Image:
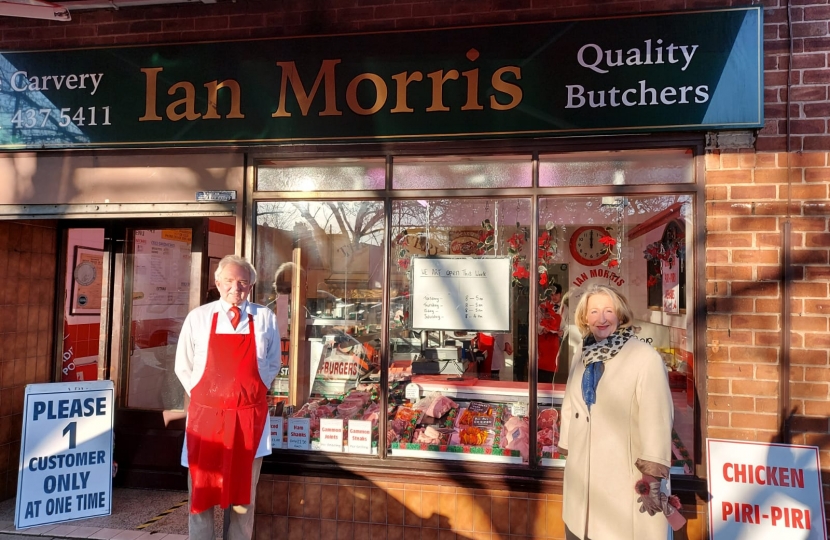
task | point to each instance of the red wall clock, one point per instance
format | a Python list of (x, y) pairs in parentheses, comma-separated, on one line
[(586, 249)]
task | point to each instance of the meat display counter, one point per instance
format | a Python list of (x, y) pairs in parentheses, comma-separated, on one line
[(468, 419)]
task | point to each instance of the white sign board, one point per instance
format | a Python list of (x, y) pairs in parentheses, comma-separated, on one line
[(763, 491), (65, 453), (299, 434), (331, 434), (277, 431), (460, 293), (360, 436)]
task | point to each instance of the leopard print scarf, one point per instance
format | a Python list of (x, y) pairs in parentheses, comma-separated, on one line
[(594, 356), (602, 351)]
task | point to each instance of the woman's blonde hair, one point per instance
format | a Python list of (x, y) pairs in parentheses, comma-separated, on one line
[(621, 308)]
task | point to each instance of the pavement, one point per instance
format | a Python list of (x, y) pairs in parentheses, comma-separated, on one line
[(136, 515)]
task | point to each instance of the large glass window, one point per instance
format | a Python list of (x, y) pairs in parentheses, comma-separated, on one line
[(460, 272), (458, 330), (635, 245), (321, 268)]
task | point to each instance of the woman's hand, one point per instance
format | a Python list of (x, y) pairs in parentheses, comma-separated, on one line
[(650, 495)]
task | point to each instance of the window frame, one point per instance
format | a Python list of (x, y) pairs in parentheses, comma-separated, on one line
[(350, 464)]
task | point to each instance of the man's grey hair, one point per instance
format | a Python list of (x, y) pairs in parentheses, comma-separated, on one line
[(237, 261)]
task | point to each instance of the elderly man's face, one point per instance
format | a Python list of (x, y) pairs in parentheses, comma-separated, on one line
[(234, 284)]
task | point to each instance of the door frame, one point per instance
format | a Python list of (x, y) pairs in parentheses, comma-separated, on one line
[(114, 336)]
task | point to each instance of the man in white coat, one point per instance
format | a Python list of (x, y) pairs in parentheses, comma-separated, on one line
[(228, 355)]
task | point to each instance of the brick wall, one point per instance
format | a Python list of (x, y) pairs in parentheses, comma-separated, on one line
[(27, 265), (750, 192)]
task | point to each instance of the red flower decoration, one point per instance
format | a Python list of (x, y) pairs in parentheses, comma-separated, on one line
[(521, 273), (543, 280), (613, 263), (652, 281), (608, 241)]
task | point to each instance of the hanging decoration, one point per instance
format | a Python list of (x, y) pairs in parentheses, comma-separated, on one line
[(403, 253), (613, 243), (612, 247), (545, 254), (486, 238), (547, 249), (515, 246), (670, 250)]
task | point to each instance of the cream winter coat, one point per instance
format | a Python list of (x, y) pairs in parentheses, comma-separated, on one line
[(631, 419)]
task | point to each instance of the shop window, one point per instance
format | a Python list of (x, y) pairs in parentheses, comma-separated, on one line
[(460, 273), (616, 168), (328, 392), (334, 175), (458, 365), (462, 172), (611, 241)]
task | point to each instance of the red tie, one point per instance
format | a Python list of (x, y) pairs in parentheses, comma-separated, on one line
[(234, 316)]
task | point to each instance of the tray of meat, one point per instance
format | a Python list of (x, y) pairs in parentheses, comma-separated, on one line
[(440, 406), (483, 419), (409, 415), (548, 418), (472, 436), (431, 435)]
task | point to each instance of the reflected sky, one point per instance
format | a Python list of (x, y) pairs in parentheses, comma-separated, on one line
[(28, 118)]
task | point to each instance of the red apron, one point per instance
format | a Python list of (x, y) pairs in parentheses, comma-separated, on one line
[(227, 414)]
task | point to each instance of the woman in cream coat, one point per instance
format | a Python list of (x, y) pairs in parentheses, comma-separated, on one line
[(616, 425)]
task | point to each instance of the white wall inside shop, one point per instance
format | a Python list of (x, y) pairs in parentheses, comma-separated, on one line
[(219, 243)]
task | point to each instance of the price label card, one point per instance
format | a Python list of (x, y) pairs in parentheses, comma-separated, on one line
[(277, 423), (331, 434), (360, 437), (519, 408), (484, 421), (299, 433), (479, 407), (413, 392)]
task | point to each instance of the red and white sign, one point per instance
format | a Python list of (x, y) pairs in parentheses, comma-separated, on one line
[(299, 433), (360, 437), (331, 434), (671, 287), (762, 491)]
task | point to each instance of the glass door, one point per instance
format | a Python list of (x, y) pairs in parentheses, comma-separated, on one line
[(162, 271), (158, 274), (128, 285)]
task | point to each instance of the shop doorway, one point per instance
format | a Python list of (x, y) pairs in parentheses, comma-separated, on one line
[(128, 285)]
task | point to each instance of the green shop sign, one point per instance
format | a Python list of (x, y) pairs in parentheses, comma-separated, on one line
[(696, 70)]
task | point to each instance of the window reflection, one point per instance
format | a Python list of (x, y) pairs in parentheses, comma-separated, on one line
[(36, 121), (458, 326), (637, 245), (330, 390)]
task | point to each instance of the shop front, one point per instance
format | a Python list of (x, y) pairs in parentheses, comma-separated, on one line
[(425, 209)]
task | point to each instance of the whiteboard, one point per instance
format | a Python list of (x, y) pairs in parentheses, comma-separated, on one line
[(459, 293)]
